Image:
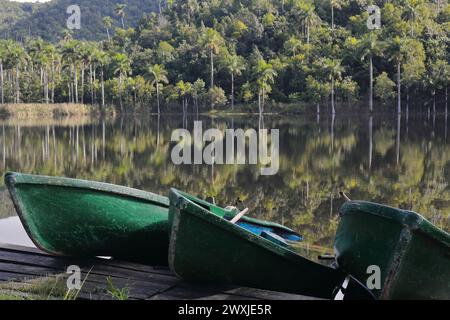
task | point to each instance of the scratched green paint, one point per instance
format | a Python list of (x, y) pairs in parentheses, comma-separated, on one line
[(81, 218), (413, 255), (205, 248)]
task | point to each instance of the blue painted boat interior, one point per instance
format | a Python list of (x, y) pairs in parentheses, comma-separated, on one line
[(259, 230)]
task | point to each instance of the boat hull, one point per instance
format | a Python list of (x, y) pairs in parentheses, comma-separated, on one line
[(71, 217), (205, 248), (413, 256)]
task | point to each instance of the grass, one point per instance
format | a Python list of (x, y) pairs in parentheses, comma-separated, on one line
[(55, 288), (10, 297), (117, 294), (31, 110), (46, 288)]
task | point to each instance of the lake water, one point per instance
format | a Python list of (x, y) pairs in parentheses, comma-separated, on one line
[(397, 161)]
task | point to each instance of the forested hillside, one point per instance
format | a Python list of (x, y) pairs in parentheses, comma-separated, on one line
[(48, 20), (221, 52), (12, 12)]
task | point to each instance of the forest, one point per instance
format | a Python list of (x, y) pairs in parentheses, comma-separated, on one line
[(197, 55)]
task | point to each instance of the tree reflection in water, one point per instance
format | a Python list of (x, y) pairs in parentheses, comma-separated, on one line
[(368, 157)]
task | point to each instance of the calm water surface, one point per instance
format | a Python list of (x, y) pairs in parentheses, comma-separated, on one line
[(398, 161)]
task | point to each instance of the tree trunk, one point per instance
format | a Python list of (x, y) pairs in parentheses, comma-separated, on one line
[(232, 91), (91, 83), (107, 32), (407, 101), (434, 102), (82, 84), (332, 17), (318, 108), (120, 92), (399, 88), (399, 128), (196, 106), (371, 85), (95, 92), (259, 102), (42, 83), (212, 68), (157, 98), (103, 90), (263, 98), (2, 98), (75, 82), (53, 82), (333, 108), (307, 33), (370, 143), (446, 100), (17, 84), (212, 74), (123, 23), (46, 86)]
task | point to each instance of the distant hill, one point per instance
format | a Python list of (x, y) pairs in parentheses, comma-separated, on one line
[(48, 20), (12, 12)]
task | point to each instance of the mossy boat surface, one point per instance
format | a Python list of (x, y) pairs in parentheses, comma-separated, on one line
[(206, 248), (83, 218), (413, 255)]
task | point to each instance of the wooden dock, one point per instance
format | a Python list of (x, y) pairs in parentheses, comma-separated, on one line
[(23, 269)]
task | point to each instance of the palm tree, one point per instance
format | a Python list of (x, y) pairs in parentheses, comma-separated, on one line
[(335, 4), (293, 44), (436, 78), (49, 52), (85, 54), (310, 18), (107, 23), (235, 66), (17, 56), (412, 11), (198, 89), (70, 53), (40, 59), (101, 58), (265, 74), (396, 54), (370, 47), (211, 40), (159, 75), (123, 69), (334, 69), (184, 88), (120, 11)]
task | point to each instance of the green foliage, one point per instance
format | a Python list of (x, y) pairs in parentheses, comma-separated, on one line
[(217, 97), (253, 51), (48, 20), (384, 87), (115, 293)]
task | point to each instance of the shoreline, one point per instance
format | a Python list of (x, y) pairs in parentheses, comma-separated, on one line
[(33, 111), (51, 110)]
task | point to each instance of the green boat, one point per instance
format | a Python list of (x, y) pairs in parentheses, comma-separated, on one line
[(71, 217), (413, 255), (205, 247), (79, 218)]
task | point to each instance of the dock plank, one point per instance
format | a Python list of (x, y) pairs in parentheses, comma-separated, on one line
[(20, 266)]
